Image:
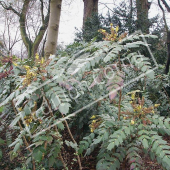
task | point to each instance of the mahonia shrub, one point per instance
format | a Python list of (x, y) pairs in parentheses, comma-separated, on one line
[(86, 87)]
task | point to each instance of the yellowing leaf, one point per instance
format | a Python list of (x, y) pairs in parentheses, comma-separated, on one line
[(37, 56), (117, 28), (42, 60), (15, 64), (132, 122)]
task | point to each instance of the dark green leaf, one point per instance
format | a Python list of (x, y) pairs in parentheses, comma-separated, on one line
[(1, 141), (16, 148), (145, 143), (51, 161), (111, 146)]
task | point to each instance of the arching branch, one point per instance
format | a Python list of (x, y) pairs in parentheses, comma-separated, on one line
[(164, 18), (166, 5), (41, 32), (4, 5)]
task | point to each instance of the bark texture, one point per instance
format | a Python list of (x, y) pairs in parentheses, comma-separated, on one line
[(143, 7), (90, 7), (167, 31), (168, 60), (53, 27)]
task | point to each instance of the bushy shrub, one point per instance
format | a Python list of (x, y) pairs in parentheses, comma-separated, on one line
[(101, 89)]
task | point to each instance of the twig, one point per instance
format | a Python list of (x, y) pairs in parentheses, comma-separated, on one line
[(120, 97), (164, 18), (120, 94), (166, 5), (25, 140), (51, 114), (69, 131), (106, 6), (3, 4)]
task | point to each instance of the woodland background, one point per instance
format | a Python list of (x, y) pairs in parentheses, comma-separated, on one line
[(50, 119)]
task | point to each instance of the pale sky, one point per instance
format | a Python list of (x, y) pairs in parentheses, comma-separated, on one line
[(72, 16)]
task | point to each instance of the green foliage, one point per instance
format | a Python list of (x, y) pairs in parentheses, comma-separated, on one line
[(125, 16), (83, 88), (119, 141), (90, 29)]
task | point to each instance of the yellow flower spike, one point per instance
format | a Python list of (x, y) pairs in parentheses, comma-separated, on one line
[(94, 121), (37, 56), (132, 122), (27, 67), (131, 102), (20, 109), (138, 108), (111, 24), (93, 117), (124, 118), (117, 28), (91, 130), (42, 60), (113, 29), (153, 111), (133, 96), (156, 105), (15, 64)]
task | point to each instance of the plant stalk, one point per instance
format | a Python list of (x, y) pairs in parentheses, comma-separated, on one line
[(25, 140), (69, 131)]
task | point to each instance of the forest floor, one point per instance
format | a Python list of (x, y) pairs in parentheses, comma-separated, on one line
[(88, 162)]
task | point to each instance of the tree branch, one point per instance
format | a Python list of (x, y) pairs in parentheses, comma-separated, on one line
[(42, 13), (164, 18), (9, 8), (42, 30), (166, 5), (105, 4), (22, 21)]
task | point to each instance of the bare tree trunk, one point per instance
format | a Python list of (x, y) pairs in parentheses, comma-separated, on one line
[(167, 31), (90, 7), (143, 7), (168, 60), (131, 17), (53, 27)]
